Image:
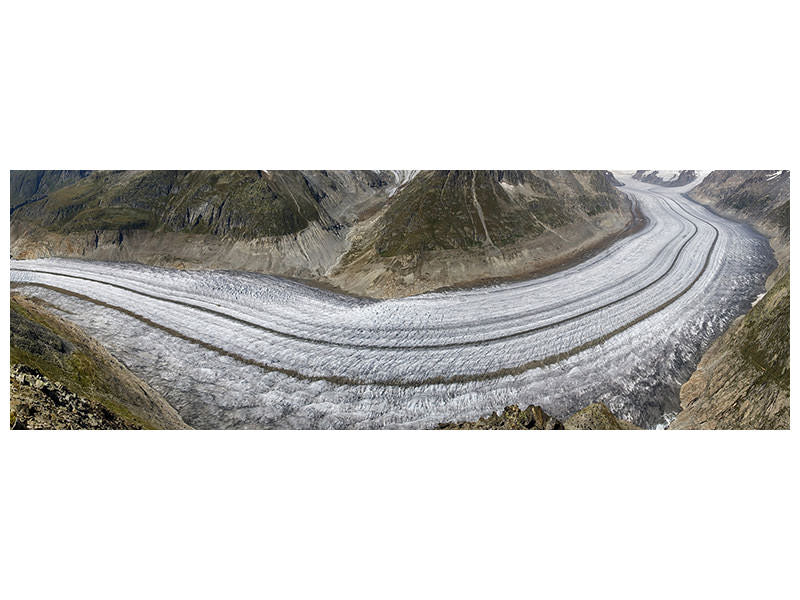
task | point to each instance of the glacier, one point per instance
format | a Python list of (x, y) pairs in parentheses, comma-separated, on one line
[(244, 350)]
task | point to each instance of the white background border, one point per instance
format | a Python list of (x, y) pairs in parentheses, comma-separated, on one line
[(346, 85)]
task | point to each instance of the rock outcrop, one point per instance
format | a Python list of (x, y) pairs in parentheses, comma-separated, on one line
[(594, 416), (38, 403)]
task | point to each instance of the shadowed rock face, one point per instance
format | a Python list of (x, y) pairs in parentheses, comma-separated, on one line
[(376, 233)]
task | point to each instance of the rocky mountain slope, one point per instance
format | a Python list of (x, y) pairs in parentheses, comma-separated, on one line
[(63, 379), (760, 198), (596, 416), (666, 178), (456, 227), (377, 233), (742, 381)]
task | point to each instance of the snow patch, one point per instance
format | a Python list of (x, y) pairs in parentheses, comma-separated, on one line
[(774, 175)]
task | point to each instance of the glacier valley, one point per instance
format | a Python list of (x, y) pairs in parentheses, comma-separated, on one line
[(241, 350)]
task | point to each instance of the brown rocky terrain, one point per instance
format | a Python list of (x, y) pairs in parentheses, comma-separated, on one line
[(594, 416), (38, 403)]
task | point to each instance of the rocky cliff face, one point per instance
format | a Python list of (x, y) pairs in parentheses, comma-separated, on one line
[(63, 379), (742, 381), (377, 233)]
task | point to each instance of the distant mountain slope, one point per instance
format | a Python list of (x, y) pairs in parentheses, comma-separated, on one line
[(27, 186), (62, 378), (464, 209), (379, 233), (235, 204), (453, 227), (758, 197), (666, 178), (286, 222)]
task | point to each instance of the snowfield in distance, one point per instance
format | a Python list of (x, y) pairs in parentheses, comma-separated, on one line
[(241, 350)]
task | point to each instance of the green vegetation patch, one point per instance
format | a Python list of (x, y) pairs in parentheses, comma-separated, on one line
[(766, 335)]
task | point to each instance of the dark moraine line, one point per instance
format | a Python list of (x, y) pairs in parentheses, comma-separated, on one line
[(383, 347), (456, 379)]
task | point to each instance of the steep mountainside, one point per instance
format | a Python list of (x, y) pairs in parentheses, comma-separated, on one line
[(454, 227), (380, 233), (742, 381), (62, 378), (758, 197), (666, 178)]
